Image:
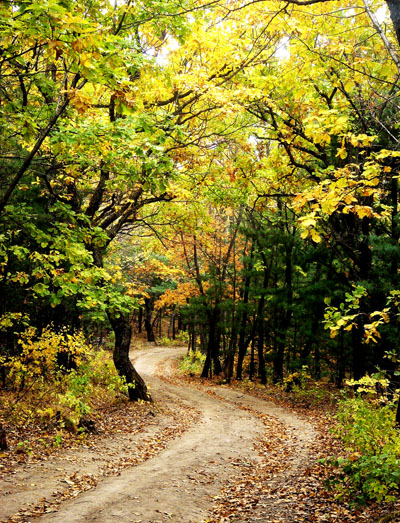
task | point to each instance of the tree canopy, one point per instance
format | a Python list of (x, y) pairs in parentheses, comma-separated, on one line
[(230, 164)]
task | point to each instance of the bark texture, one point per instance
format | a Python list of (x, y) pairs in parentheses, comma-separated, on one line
[(123, 335)]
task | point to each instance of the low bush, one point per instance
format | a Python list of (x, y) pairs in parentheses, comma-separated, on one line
[(365, 423), (192, 362), (57, 378), (305, 391), (181, 338)]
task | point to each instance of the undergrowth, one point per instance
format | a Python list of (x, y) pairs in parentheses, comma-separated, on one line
[(365, 423), (56, 381), (192, 362), (181, 338)]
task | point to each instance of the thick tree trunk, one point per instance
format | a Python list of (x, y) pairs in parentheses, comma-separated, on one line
[(123, 335), (207, 371), (3, 439), (171, 328)]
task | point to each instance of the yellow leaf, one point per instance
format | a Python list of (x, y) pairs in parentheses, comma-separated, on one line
[(53, 44), (349, 199), (342, 153), (354, 141), (364, 211), (77, 45), (367, 192), (373, 182), (308, 221), (342, 183), (304, 234), (315, 236)]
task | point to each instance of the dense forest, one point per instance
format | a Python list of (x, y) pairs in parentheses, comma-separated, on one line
[(221, 172)]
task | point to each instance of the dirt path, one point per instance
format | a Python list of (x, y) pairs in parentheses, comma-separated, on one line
[(178, 483)]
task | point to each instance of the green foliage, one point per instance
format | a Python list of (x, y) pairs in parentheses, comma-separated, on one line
[(370, 471), (165, 341), (340, 317), (181, 338), (192, 363)]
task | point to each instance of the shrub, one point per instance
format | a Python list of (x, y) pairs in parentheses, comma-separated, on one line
[(304, 390), (192, 363), (366, 425), (42, 390), (180, 339)]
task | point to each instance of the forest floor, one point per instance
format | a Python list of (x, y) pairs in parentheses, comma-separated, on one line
[(201, 452)]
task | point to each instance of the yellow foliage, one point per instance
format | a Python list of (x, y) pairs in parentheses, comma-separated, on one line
[(38, 355)]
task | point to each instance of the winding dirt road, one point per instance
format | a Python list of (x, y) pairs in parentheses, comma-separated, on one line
[(179, 483)]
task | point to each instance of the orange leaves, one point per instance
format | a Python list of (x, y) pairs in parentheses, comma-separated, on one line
[(176, 297)]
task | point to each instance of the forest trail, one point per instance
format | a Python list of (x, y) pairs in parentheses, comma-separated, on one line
[(180, 482)]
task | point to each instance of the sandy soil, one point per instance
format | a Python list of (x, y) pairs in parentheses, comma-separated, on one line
[(179, 483)]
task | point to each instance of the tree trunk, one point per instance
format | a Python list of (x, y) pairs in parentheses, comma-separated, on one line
[(358, 350), (394, 9), (123, 334), (171, 328), (140, 319), (278, 361), (212, 346), (229, 359), (148, 324), (3, 439), (260, 352), (251, 373), (242, 347)]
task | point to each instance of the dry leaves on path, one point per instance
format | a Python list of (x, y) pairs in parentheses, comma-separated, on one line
[(117, 447)]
